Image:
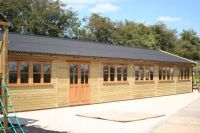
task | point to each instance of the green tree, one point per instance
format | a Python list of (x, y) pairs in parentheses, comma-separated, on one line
[(136, 34), (98, 28), (188, 45), (165, 38), (42, 17)]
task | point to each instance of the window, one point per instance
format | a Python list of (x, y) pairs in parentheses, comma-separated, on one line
[(166, 73), (79, 73), (20, 72), (112, 73), (13, 72), (24, 73), (183, 73), (144, 73)]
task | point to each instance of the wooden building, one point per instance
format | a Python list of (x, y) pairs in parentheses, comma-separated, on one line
[(49, 72)]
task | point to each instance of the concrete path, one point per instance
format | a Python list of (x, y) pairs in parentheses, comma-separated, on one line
[(64, 120), (187, 120)]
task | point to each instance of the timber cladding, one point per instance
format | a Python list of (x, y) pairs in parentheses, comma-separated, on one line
[(57, 93)]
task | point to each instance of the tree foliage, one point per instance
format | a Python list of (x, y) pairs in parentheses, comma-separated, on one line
[(42, 17), (188, 45), (98, 28), (52, 18)]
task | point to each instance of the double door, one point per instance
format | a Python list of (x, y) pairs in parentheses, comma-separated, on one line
[(79, 90)]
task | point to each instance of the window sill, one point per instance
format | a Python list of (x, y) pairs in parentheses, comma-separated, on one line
[(29, 85), (183, 80), (145, 82), (116, 83), (165, 81)]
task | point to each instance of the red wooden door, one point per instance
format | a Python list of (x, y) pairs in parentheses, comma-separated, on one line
[(79, 90)]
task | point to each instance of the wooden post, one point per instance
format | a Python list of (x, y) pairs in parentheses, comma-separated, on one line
[(4, 65), (5, 71)]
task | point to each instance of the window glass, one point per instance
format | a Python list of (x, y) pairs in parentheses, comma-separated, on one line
[(179, 74), (82, 79), (71, 79), (125, 69), (47, 73), (160, 73), (82, 66), (86, 69), (73, 73), (119, 73), (168, 73), (188, 73), (86, 79), (163, 73), (147, 72), (136, 72), (185, 73), (36, 73), (112, 73), (39, 71), (144, 73), (105, 73), (172, 73), (182, 73), (141, 73), (24, 74), (151, 72), (86, 73), (112, 69), (75, 79), (13, 72)]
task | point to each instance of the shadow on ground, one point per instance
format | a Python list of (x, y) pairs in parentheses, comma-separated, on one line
[(35, 129), (24, 122)]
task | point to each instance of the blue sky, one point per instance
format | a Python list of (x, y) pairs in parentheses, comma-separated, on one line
[(177, 14)]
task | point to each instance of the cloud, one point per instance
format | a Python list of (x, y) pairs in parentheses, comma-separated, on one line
[(168, 19), (94, 6), (79, 2), (104, 8)]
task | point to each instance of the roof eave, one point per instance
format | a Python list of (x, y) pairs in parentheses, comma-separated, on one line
[(192, 62)]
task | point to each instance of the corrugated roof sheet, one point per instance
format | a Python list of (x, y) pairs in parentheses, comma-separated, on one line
[(48, 45)]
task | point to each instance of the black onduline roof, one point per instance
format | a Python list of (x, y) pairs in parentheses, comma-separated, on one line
[(48, 45)]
